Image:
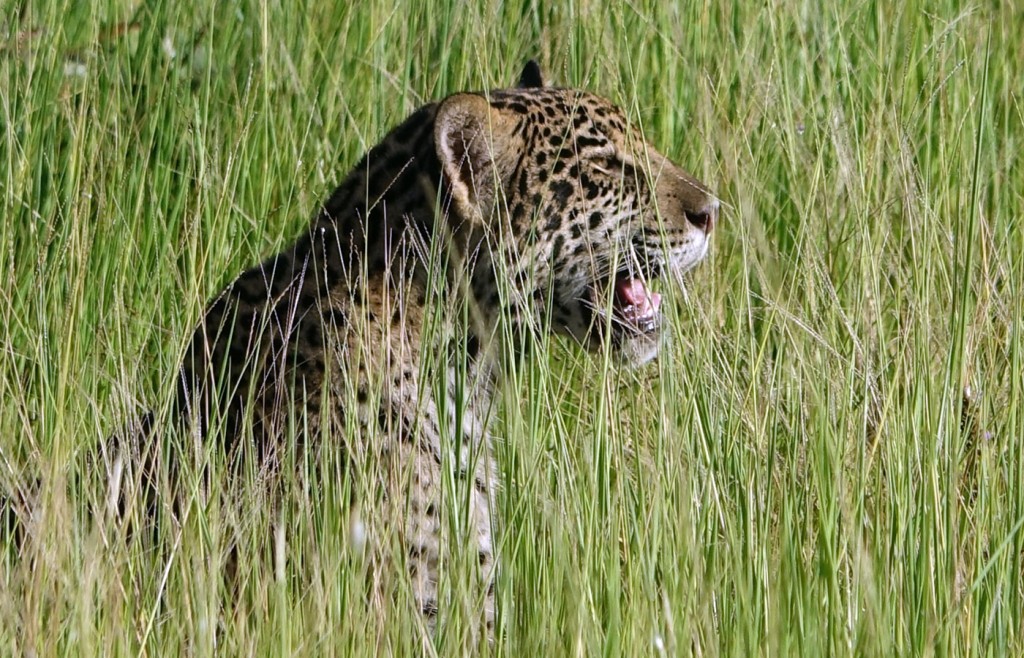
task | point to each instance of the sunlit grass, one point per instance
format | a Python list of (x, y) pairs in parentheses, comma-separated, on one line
[(826, 461)]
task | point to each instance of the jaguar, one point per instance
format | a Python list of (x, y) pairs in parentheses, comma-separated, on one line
[(480, 224)]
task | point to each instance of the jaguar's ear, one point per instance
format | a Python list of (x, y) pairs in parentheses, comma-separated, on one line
[(531, 77), (476, 145)]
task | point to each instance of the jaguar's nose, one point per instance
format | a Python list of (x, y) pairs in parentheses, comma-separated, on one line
[(706, 217)]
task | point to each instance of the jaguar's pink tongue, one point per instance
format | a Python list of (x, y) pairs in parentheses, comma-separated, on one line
[(635, 302)]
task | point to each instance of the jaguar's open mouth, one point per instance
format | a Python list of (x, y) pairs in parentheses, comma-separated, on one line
[(635, 307), (625, 311), (627, 307), (629, 319)]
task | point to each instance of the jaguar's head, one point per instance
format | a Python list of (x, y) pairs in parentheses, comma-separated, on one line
[(573, 214)]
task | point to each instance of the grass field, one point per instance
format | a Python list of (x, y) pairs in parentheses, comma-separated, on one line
[(828, 461)]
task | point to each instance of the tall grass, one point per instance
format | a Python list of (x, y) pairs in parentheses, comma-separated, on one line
[(827, 461)]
